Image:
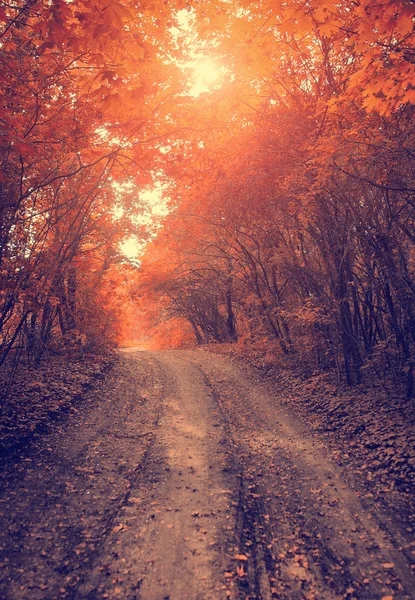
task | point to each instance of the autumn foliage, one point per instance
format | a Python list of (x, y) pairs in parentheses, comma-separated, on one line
[(290, 185), (79, 82), (298, 226)]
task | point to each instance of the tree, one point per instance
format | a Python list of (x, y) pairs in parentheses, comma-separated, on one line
[(80, 82)]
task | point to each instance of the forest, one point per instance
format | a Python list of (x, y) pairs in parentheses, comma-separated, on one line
[(207, 299), (277, 138)]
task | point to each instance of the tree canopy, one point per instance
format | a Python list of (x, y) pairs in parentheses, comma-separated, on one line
[(281, 136)]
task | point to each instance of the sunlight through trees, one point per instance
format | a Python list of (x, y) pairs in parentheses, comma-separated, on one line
[(278, 140)]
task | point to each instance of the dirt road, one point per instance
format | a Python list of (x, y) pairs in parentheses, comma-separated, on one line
[(186, 479)]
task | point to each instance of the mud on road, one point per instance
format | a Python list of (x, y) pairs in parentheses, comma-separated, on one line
[(185, 478)]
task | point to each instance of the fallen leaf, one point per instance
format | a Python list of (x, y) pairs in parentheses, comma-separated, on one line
[(240, 571)]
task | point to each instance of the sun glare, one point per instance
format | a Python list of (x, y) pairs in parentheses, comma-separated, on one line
[(205, 75), (202, 72)]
